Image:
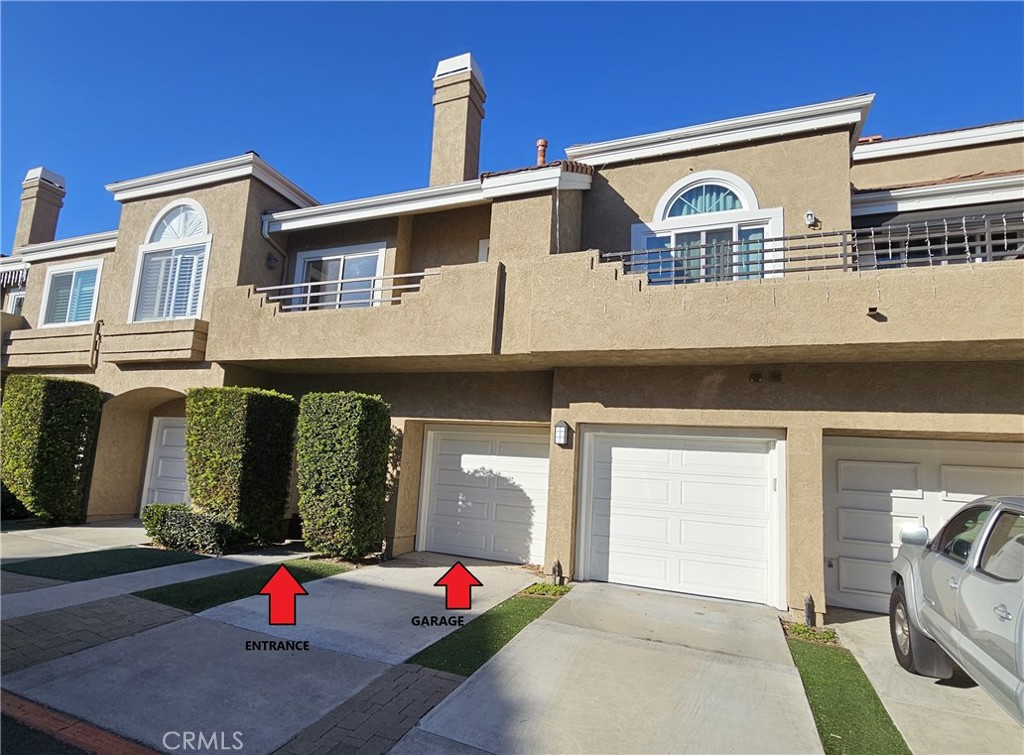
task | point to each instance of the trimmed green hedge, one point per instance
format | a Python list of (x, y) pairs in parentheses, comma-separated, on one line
[(238, 452), (49, 438), (180, 528), (342, 457)]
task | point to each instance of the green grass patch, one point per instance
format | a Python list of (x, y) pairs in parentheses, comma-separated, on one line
[(542, 588), (822, 636), (96, 564), (849, 716), (201, 594), (469, 647)]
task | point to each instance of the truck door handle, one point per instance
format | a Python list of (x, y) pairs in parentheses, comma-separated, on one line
[(1002, 613), (953, 584)]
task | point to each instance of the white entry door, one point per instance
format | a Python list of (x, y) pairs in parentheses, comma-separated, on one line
[(485, 493), (165, 473), (873, 487), (687, 513)]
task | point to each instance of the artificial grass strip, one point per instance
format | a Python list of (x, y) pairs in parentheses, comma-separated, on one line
[(470, 647), (95, 564), (201, 594), (849, 716)]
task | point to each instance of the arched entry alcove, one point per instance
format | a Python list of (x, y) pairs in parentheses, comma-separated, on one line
[(124, 446)]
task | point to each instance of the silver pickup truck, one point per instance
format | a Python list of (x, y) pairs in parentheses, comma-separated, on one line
[(958, 597)]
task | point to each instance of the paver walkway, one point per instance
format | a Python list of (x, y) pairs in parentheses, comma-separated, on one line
[(42, 637), (373, 720)]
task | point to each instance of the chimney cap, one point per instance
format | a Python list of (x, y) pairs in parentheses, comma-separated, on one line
[(42, 174), (459, 64)]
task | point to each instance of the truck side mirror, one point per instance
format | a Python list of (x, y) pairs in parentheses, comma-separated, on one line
[(914, 536)]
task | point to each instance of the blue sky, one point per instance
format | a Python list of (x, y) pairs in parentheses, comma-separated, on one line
[(337, 95)]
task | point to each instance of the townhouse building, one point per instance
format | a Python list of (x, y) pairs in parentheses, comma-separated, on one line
[(731, 359)]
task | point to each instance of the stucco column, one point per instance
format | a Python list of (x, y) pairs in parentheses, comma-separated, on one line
[(561, 533), (805, 526), (121, 452), (404, 506)]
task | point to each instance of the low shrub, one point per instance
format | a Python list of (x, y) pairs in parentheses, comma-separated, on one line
[(179, 527), (546, 589), (49, 427), (238, 450), (344, 441)]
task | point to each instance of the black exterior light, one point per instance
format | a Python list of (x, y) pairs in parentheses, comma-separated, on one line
[(563, 434)]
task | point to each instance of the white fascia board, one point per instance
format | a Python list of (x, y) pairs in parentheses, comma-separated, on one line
[(12, 263), (462, 194), (210, 173), (51, 250), (531, 181), (982, 191), (851, 111), (968, 137)]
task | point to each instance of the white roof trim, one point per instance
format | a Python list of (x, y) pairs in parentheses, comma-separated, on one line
[(968, 137), (981, 191), (432, 198), (851, 111), (209, 173), (529, 181), (382, 206), (95, 242)]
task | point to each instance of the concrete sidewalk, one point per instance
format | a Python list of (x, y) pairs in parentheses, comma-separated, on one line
[(934, 717), (69, 594), (19, 545), (618, 669)]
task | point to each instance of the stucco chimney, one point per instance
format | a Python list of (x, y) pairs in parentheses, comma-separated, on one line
[(42, 196), (458, 112)]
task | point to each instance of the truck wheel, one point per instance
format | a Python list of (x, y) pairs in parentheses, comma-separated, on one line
[(899, 629)]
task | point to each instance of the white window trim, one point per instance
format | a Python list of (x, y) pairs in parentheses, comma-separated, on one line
[(12, 295), (66, 268), (380, 247), (148, 247), (772, 218), (730, 181)]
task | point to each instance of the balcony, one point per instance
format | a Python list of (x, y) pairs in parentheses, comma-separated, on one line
[(911, 293), (933, 243), (158, 341), (73, 346), (447, 312)]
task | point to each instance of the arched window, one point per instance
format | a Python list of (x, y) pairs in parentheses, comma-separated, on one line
[(707, 226), (703, 198), (172, 264)]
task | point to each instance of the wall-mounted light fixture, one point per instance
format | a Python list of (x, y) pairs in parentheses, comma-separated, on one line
[(271, 261), (563, 434), (810, 218)]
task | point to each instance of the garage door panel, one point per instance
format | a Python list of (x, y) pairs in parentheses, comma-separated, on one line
[(963, 484), (875, 486), (689, 514), (725, 540), (736, 499), (874, 527), (890, 478), (485, 493)]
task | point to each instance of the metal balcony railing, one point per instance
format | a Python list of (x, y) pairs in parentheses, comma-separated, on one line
[(947, 241), (347, 292)]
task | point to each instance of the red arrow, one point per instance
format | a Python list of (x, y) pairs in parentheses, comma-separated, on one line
[(457, 583), (282, 589)]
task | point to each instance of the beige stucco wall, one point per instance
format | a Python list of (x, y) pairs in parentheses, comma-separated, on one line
[(936, 166), (449, 238), (798, 174), (810, 402), (522, 227)]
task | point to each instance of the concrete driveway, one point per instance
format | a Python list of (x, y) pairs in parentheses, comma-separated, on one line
[(619, 669), (933, 716), (44, 542), (200, 673)]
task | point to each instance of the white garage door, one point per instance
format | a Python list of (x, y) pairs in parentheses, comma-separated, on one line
[(875, 486), (684, 513), (485, 493), (166, 481)]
